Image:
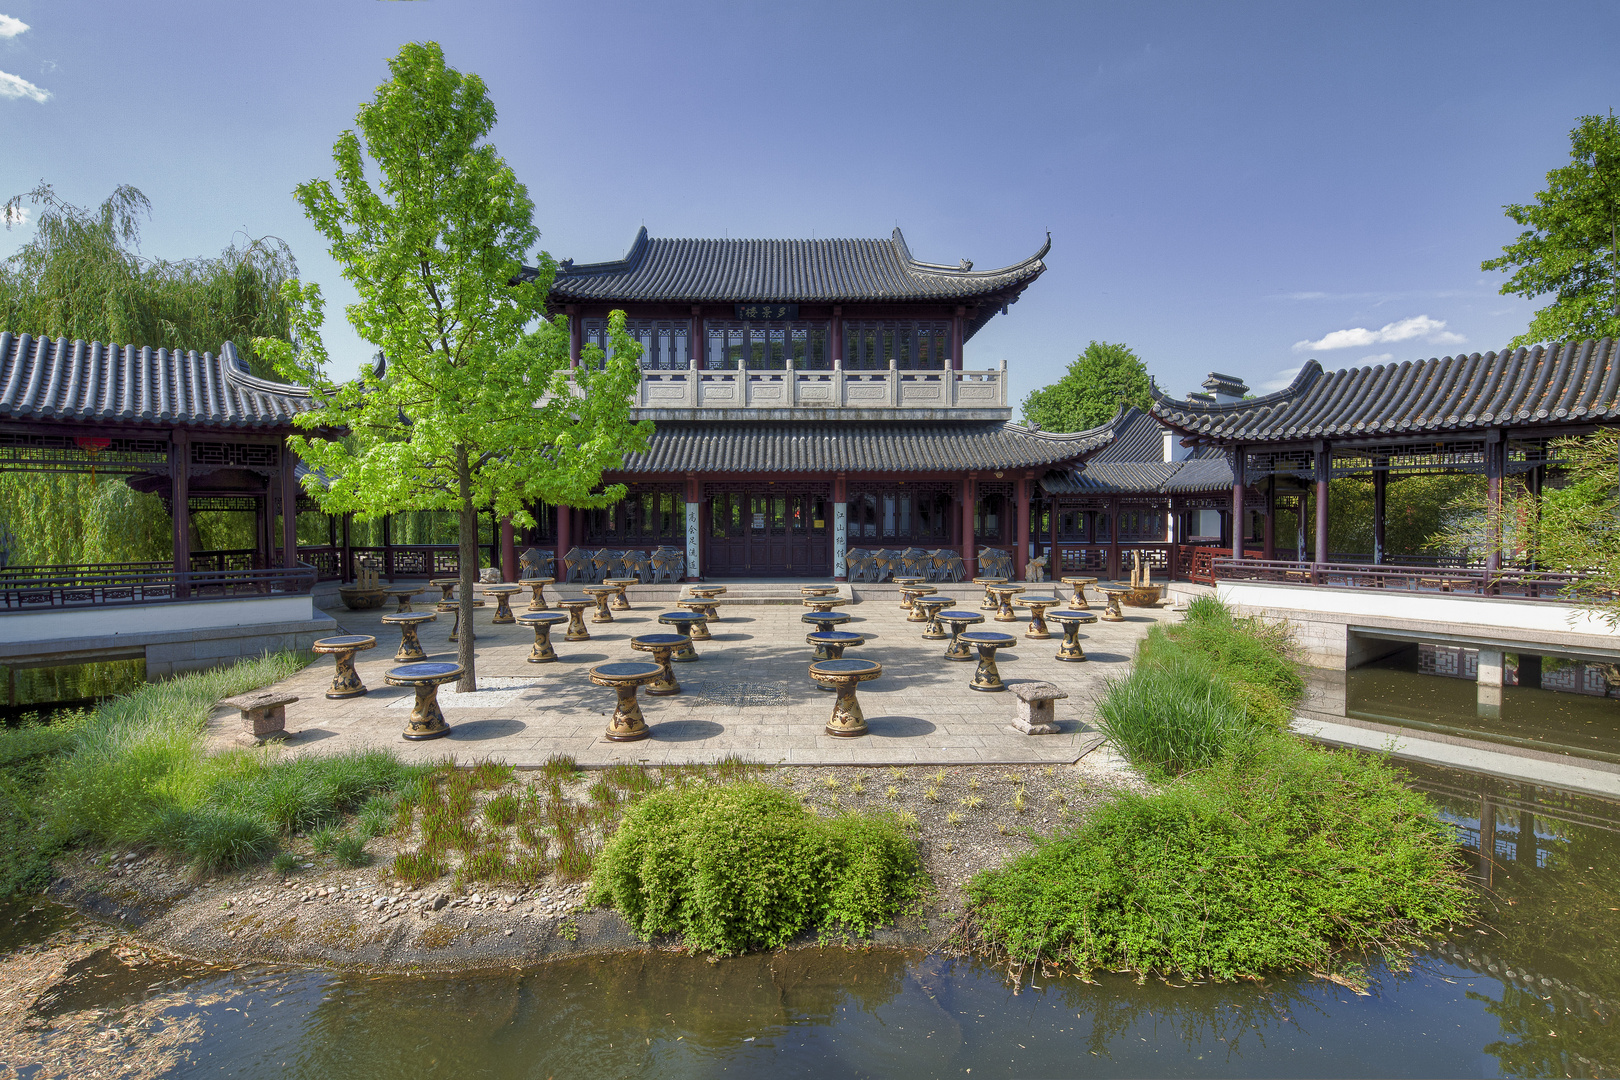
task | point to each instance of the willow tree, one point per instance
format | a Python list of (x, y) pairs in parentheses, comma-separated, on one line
[(474, 406), (81, 275)]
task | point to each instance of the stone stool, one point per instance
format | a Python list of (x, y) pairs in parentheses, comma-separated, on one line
[(1078, 584), (448, 584), (909, 595), (410, 648), (830, 644), (824, 603), (817, 590), (904, 583), (1037, 605), (843, 676), (345, 680), (661, 646), (621, 593), (704, 610), (1112, 593), (601, 594), (503, 601), (542, 622), (989, 599), (538, 587), (1069, 649), (1036, 713), (1004, 594), (987, 677), (576, 619), (453, 607), (683, 622), (264, 714), (624, 676), (959, 620), (427, 720), (402, 595), (930, 606)]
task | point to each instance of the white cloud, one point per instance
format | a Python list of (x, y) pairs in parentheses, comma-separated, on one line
[(12, 86), (1380, 358), (1279, 381), (13, 216), (10, 27), (1418, 326)]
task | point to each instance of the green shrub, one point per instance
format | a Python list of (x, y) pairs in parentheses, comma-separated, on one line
[(1284, 856), (222, 840), (744, 865), (284, 863), (350, 851)]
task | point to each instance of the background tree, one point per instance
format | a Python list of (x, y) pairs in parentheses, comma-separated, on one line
[(81, 276), (1571, 247), (1104, 377), (473, 407)]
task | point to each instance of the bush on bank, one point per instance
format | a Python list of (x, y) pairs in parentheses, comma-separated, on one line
[(746, 866), (1258, 853), (134, 771)]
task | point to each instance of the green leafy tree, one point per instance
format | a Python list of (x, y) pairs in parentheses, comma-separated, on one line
[(1571, 246), (1103, 378), (81, 276), (474, 406)]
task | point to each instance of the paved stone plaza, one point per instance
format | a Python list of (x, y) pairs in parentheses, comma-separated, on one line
[(749, 695)]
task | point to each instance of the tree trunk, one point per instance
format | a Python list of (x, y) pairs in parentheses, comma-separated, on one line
[(469, 573)]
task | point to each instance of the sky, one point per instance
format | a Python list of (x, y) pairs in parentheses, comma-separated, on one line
[(1229, 187)]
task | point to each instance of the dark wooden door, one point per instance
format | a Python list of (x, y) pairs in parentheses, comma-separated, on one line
[(769, 534)]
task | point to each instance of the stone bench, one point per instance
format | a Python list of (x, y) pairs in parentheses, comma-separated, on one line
[(1036, 713), (264, 713)]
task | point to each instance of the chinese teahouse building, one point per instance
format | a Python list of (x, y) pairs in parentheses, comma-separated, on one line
[(811, 397)]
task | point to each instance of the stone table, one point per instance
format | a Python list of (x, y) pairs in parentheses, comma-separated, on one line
[(706, 592), (1113, 594), (1037, 604), (448, 584), (704, 610), (427, 719), (959, 620), (931, 606), (1078, 584), (542, 622), (824, 620), (410, 647), (264, 714), (824, 603), (1004, 594), (817, 590), (988, 677), (1069, 649), (345, 680), (830, 644), (453, 607), (908, 600), (985, 583), (1036, 713), (624, 676), (576, 619), (402, 595), (538, 587), (683, 622), (903, 583), (843, 676), (621, 593), (503, 602), (662, 647), (601, 594)]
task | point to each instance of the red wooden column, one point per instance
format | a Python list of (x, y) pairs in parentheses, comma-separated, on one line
[(970, 555), (574, 336), (1239, 462), (509, 563), (289, 510), (179, 501), (1054, 564), (1495, 462), (1115, 563), (1324, 470), (1270, 551), (957, 344), (1380, 490), (564, 540), (835, 347), (699, 340), (1021, 552)]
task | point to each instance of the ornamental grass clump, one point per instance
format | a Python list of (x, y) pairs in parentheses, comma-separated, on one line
[(746, 866)]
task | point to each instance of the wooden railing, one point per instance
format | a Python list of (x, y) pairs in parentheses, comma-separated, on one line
[(417, 560), (1195, 562), (1463, 580), (88, 587)]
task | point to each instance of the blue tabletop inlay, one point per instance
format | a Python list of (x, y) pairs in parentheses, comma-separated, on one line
[(409, 616), (542, 617), (1038, 598), (989, 637), (622, 668), (350, 639), (1066, 616), (833, 637), (660, 639), (845, 667), (680, 616), (429, 670), (961, 616), (824, 617)]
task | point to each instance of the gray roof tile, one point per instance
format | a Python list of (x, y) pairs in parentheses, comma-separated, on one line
[(1567, 383), (45, 379)]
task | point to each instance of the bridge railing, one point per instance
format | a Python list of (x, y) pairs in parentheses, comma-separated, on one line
[(1462, 580), (83, 587)]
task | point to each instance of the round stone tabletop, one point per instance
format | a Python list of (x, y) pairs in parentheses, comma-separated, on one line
[(545, 618), (988, 637), (409, 618), (429, 672)]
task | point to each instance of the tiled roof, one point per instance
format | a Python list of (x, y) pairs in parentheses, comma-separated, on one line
[(1144, 477), (1544, 386), (45, 379), (784, 271), (853, 447)]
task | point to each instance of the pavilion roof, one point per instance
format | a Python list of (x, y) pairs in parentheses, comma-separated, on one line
[(1576, 382), (1132, 461), (786, 271), (88, 382), (723, 446)]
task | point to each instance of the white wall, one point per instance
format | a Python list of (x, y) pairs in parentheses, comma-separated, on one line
[(1487, 613), (55, 623)]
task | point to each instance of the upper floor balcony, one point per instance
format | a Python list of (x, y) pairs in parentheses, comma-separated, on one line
[(795, 394)]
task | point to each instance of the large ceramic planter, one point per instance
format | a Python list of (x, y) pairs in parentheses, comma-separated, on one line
[(1143, 596), (362, 599)]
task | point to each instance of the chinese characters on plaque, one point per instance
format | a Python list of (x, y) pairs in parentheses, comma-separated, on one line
[(767, 312)]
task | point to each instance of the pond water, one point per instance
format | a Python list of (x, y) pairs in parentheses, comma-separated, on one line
[(1533, 992)]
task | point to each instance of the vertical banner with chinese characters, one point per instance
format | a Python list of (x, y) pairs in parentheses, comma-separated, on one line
[(840, 537), (693, 567)]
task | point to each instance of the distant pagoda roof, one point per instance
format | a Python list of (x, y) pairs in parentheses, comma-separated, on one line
[(1544, 387), (787, 272), (45, 379)]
